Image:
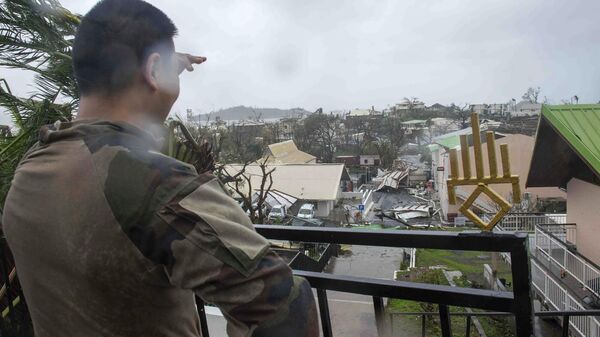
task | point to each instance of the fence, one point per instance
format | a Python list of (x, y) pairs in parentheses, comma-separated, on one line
[(518, 302), (526, 222), (553, 249), (558, 298)]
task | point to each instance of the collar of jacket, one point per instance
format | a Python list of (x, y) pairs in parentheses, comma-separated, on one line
[(154, 134)]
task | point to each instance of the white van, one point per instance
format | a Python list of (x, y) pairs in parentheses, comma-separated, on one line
[(277, 212), (307, 211)]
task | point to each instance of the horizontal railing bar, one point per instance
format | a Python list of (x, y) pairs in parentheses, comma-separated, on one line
[(421, 292), (471, 241), (558, 224), (568, 313), (500, 313), (532, 213), (487, 313)]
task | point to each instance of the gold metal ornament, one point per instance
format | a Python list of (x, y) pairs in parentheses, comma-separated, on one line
[(480, 180)]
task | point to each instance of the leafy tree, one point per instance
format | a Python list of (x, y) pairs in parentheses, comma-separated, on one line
[(393, 130), (460, 114), (387, 152), (318, 135), (532, 94)]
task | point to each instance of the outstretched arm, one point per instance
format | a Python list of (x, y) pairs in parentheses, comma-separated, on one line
[(216, 252)]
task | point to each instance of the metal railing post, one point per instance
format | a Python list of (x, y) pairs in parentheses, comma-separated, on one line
[(379, 319), (565, 326), (521, 273), (324, 312), (468, 332), (202, 317), (445, 321)]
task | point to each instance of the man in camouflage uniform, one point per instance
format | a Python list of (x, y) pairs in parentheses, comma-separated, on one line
[(112, 238)]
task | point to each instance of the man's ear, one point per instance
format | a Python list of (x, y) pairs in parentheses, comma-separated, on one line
[(150, 71)]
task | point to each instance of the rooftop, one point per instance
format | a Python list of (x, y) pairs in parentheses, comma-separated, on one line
[(567, 145), (288, 153), (452, 139), (302, 181)]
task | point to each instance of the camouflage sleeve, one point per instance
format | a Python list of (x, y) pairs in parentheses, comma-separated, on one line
[(219, 255)]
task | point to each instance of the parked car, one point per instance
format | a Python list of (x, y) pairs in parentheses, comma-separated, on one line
[(307, 211), (278, 212)]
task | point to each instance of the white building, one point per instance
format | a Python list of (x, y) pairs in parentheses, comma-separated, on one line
[(478, 108), (370, 160), (319, 184), (405, 106), (525, 108)]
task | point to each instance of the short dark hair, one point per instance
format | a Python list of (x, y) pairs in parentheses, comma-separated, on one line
[(113, 40)]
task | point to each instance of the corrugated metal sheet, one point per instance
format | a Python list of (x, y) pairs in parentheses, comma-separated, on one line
[(579, 124)]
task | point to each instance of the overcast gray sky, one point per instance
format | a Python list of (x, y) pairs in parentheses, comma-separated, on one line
[(352, 53)]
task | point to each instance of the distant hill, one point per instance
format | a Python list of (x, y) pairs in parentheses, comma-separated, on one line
[(243, 112)]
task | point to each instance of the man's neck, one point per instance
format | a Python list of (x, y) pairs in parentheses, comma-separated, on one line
[(115, 109)]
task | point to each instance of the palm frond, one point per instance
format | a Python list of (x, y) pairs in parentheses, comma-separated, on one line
[(37, 35), (181, 145)]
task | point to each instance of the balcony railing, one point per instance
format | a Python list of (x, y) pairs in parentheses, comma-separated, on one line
[(526, 222), (554, 249), (557, 297), (567, 316), (517, 303)]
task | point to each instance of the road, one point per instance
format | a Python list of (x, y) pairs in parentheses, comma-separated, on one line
[(352, 315)]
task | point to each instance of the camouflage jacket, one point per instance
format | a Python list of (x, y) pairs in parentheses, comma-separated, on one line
[(112, 238)]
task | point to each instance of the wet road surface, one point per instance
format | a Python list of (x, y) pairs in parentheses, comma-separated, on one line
[(352, 315)]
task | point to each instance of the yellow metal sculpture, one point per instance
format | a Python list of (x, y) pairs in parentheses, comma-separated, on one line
[(480, 180)]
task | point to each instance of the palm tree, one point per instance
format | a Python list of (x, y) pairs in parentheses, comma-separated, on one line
[(35, 36)]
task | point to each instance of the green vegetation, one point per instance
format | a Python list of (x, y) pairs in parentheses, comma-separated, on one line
[(432, 276), (371, 226), (497, 326), (471, 265), (467, 262)]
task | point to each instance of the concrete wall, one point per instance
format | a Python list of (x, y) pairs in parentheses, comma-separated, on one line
[(324, 207), (583, 210), (351, 195), (440, 158)]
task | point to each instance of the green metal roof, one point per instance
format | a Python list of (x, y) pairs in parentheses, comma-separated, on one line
[(450, 142), (579, 124)]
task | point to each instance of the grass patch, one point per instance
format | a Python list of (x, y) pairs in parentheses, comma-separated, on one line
[(369, 227), (469, 263), (497, 326)]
